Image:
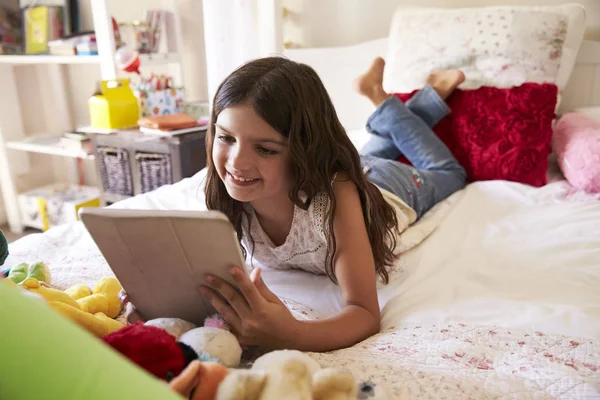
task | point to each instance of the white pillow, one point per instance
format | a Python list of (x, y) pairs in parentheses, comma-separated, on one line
[(338, 67), (500, 46)]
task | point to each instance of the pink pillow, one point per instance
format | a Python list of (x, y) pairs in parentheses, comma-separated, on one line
[(577, 143)]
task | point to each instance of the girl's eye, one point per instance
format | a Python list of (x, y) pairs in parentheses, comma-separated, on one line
[(265, 152), (225, 139)]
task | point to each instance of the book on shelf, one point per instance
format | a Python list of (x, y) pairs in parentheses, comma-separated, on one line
[(76, 142), (83, 43), (174, 132)]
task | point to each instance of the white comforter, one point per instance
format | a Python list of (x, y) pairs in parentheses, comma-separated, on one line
[(503, 299)]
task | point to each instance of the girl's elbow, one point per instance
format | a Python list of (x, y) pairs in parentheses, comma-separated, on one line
[(375, 327)]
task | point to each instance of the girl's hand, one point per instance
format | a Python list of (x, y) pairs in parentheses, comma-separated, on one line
[(131, 314), (256, 316)]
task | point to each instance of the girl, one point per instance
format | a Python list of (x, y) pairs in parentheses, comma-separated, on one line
[(282, 168)]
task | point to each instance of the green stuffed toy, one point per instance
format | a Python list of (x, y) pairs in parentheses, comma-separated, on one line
[(20, 272), (3, 248)]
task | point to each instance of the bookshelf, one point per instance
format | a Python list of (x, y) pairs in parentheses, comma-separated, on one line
[(15, 144)]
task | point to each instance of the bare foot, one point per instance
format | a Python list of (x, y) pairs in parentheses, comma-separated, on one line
[(370, 84), (445, 81)]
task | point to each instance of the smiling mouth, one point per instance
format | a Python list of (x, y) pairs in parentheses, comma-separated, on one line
[(240, 180)]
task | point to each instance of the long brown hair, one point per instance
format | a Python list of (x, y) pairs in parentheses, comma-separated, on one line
[(291, 98)]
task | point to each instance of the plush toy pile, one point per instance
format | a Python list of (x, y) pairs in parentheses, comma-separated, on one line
[(197, 362), (192, 361), (93, 309)]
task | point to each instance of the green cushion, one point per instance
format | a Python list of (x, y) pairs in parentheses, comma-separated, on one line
[(45, 356)]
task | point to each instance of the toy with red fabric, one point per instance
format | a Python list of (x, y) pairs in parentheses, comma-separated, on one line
[(165, 346), (152, 348)]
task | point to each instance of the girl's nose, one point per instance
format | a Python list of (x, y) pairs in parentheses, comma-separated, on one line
[(239, 159)]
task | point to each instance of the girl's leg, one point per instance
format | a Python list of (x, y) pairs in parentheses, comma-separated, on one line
[(384, 147), (420, 189), (437, 174), (370, 84)]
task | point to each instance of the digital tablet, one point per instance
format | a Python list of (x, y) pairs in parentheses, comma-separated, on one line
[(161, 257)]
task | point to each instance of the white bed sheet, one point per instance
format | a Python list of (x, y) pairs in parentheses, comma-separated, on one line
[(501, 300)]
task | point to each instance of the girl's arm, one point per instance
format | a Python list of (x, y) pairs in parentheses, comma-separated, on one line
[(258, 317), (355, 270)]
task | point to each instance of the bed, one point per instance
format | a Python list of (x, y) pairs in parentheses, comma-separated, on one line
[(502, 300)]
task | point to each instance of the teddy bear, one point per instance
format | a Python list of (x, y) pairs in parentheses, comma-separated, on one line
[(288, 374)]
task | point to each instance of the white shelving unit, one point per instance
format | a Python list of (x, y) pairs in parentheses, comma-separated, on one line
[(15, 144), (47, 145)]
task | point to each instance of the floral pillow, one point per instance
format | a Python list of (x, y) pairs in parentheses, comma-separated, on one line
[(500, 134), (501, 46)]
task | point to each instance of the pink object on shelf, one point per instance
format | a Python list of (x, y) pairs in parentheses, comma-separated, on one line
[(577, 143)]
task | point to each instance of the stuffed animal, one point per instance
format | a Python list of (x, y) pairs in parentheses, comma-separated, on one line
[(282, 374), (103, 306), (199, 380), (104, 298), (159, 353), (23, 271), (288, 374), (213, 341)]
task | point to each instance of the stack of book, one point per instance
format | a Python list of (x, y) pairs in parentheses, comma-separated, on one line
[(171, 125), (77, 141), (79, 44)]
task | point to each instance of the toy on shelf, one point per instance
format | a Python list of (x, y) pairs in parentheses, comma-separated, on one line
[(158, 96), (128, 60), (113, 105)]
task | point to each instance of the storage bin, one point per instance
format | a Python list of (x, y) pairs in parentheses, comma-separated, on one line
[(154, 170), (115, 170)]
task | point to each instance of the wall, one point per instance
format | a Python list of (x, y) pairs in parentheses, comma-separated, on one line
[(317, 23)]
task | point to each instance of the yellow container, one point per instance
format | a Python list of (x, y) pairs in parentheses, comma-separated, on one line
[(114, 106)]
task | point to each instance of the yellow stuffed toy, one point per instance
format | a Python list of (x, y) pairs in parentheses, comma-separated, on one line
[(93, 311)]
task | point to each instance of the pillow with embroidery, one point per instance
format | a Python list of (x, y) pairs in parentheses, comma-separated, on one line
[(501, 46), (500, 134)]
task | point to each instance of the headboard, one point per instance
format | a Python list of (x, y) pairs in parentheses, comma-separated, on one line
[(338, 66)]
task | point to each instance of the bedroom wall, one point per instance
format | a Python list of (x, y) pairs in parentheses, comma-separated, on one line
[(316, 23)]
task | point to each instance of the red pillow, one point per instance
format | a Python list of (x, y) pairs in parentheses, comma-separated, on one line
[(500, 134)]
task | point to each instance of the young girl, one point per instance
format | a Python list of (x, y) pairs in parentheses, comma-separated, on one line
[(282, 168)]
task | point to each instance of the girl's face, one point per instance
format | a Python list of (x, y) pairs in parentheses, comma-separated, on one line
[(251, 157)]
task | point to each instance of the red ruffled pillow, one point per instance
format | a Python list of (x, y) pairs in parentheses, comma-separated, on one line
[(500, 134)]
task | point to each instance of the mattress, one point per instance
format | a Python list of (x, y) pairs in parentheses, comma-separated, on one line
[(501, 300)]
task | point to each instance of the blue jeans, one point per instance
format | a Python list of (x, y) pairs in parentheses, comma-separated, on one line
[(400, 128)]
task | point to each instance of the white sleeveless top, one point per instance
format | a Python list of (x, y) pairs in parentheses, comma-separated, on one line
[(306, 244)]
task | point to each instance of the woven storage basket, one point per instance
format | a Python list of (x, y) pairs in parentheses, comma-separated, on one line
[(115, 170), (154, 170)]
